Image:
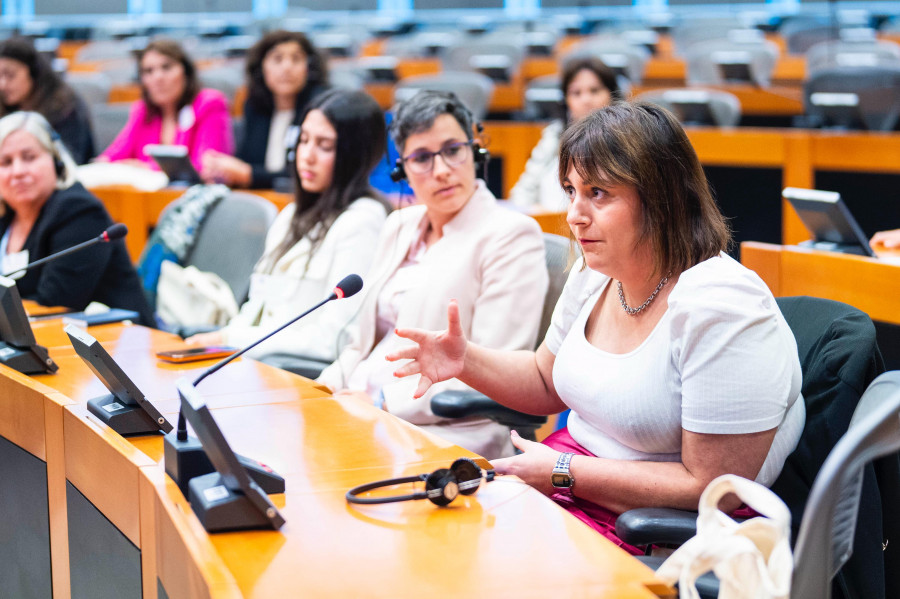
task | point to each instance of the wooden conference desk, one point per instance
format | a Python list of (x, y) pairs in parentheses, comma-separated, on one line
[(798, 153), (870, 284), (118, 527)]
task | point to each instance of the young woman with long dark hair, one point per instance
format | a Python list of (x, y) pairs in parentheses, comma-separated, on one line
[(328, 232)]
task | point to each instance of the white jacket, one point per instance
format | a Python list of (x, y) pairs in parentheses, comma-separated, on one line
[(290, 287), (491, 260), (539, 185)]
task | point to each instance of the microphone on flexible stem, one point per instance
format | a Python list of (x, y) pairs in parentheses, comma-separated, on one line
[(184, 455), (117, 231)]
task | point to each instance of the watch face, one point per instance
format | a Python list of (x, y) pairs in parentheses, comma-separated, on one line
[(561, 480)]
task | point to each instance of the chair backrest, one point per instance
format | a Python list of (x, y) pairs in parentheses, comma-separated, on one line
[(870, 94), (93, 88), (558, 250), (691, 31), (473, 89), (694, 106), (227, 78), (717, 62), (839, 358), (622, 56), (232, 239), (422, 43), (803, 36), (104, 50), (497, 60), (828, 528), (544, 99), (107, 120), (852, 54)]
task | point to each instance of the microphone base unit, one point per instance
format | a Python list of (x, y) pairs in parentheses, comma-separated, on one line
[(186, 460), (30, 360), (123, 418), (221, 509)]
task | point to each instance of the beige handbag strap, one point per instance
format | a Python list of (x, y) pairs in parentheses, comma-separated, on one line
[(752, 559)]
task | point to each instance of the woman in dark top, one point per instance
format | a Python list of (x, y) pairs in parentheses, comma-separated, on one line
[(45, 211), (28, 82), (284, 72)]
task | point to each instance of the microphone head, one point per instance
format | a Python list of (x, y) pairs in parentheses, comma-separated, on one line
[(117, 231), (349, 285)]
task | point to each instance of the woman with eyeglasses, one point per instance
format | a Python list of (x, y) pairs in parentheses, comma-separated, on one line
[(674, 359), (457, 243)]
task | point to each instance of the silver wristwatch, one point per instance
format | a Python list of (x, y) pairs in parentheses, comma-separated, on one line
[(562, 478)]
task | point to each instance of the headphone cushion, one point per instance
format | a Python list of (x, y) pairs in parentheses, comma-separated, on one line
[(441, 487), (466, 470)]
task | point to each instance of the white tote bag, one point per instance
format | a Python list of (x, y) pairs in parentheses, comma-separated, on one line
[(752, 559), (189, 297)]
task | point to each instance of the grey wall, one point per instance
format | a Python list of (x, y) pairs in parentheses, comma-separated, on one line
[(66, 7), (426, 4), (206, 5), (334, 4)]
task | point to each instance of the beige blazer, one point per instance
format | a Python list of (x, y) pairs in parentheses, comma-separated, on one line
[(491, 260)]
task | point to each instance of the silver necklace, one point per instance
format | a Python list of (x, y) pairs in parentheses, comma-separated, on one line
[(632, 311)]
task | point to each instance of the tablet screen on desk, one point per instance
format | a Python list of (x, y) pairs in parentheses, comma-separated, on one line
[(175, 162), (829, 221)]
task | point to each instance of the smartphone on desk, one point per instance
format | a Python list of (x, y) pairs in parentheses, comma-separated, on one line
[(193, 354)]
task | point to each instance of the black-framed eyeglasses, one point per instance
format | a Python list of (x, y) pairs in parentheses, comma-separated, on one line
[(453, 154)]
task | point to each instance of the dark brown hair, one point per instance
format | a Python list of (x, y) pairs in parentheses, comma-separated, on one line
[(643, 145), (576, 64), (258, 95), (170, 49), (49, 95), (361, 142)]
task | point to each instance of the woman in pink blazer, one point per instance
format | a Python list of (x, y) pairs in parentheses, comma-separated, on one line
[(173, 110)]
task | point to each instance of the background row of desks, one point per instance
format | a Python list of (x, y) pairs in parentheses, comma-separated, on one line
[(776, 101), (110, 523), (797, 154)]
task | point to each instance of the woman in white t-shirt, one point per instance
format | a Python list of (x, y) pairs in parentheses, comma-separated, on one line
[(329, 231), (674, 359)]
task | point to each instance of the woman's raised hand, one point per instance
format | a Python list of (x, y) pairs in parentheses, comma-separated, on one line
[(437, 356)]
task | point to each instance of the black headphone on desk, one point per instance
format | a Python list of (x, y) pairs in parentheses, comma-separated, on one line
[(441, 486)]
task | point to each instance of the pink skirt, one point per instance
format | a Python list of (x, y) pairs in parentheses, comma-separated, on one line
[(598, 517)]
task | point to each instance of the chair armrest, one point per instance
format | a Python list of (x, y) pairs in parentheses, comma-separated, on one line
[(461, 404), (311, 368), (656, 526)]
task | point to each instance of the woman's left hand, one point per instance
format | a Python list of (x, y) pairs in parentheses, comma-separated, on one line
[(534, 465)]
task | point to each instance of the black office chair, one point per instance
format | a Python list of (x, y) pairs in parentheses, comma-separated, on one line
[(839, 358)]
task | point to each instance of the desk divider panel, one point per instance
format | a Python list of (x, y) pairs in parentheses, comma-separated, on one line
[(31, 421), (104, 564), (25, 571)]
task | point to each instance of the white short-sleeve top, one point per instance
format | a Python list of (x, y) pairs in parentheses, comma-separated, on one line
[(721, 360)]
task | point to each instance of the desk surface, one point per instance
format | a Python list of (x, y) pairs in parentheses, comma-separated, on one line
[(870, 284), (507, 538)]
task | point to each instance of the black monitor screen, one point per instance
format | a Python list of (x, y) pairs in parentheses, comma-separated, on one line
[(828, 220), (226, 463), (14, 326)]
